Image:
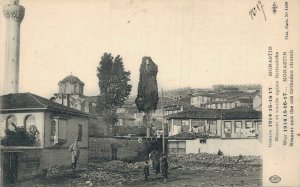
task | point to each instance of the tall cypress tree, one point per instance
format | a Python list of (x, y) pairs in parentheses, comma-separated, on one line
[(147, 98)]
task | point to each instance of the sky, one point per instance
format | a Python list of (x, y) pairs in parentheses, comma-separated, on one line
[(194, 43)]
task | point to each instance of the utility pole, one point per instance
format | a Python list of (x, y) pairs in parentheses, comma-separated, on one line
[(163, 124)]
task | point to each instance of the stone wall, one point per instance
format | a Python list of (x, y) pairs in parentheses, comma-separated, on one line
[(128, 149), (29, 163), (230, 147), (62, 157)]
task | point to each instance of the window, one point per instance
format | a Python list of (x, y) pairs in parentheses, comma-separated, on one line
[(202, 141), (62, 130), (249, 124), (58, 130), (185, 125), (29, 122), (198, 125), (11, 122), (250, 129), (227, 126), (259, 130), (212, 126), (177, 147), (238, 126), (79, 132), (75, 88)]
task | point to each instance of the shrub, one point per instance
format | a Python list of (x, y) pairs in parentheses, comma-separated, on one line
[(20, 137)]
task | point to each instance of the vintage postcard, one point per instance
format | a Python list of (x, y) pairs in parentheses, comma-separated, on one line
[(150, 93)]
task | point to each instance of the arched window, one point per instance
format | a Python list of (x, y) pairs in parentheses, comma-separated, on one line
[(29, 121), (75, 89), (11, 122)]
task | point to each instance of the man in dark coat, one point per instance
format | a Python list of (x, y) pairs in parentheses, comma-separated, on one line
[(157, 164), (146, 170), (114, 151), (164, 164)]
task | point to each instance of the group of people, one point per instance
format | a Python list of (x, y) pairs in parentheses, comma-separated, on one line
[(159, 165), (158, 162)]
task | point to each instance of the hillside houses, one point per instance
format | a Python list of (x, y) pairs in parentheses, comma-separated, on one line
[(225, 100)]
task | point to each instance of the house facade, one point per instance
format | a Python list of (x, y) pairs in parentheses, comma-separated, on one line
[(199, 100), (227, 104), (233, 125)]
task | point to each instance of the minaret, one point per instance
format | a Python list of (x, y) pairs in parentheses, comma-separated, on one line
[(14, 14)]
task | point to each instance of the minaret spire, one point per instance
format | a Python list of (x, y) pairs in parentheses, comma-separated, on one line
[(14, 14)]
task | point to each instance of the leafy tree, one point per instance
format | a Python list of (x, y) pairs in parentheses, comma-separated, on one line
[(114, 86), (20, 137), (147, 98)]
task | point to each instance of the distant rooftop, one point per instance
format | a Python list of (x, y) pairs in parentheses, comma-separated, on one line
[(236, 113)]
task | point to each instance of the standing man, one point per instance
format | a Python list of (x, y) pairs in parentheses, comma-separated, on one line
[(146, 170), (114, 151), (75, 152), (165, 165)]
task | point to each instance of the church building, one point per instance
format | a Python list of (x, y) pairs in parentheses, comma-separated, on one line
[(71, 94)]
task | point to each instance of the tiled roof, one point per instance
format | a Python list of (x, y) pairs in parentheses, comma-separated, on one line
[(196, 114), (183, 136), (218, 102), (245, 100), (229, 95), (237, 113), (29, 101), (241, 113)]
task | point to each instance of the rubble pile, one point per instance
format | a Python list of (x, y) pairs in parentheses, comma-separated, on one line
[(111, 172), (115, 172), (53, 171), (190, 161)]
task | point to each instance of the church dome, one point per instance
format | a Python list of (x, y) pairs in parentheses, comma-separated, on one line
[(72, 80)]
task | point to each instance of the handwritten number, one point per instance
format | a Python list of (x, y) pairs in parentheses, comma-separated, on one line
[(256, 8)]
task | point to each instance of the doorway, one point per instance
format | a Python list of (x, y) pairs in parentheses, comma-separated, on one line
[(10, 167)]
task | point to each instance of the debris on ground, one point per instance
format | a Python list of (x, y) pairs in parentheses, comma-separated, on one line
[(119, 172), (194, 161)]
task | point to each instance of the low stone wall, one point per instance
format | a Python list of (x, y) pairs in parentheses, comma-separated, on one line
[(230, 147), (128, 149), (29, 163), (61, 157)]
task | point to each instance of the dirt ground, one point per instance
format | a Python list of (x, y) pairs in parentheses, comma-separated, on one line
[(204, 175)]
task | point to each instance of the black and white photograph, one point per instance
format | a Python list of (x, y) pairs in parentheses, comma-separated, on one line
[(190, 93)]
